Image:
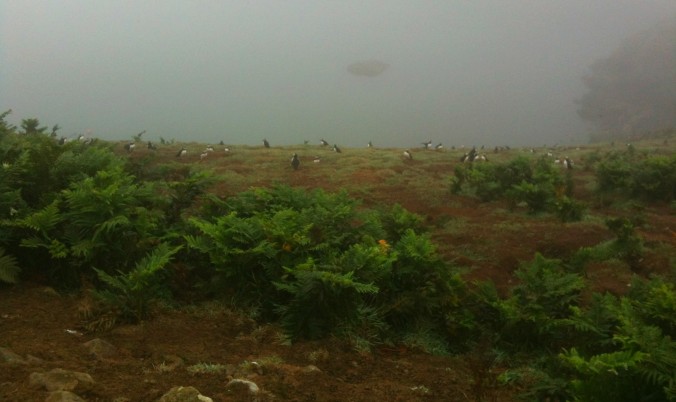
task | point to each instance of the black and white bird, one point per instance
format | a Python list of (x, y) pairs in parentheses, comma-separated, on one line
[(266, 144), (469, 156), (408, 155), (129, 146), (427, 144), (181, 153), (209, 149), (151, 146), (336, 149), (439, 147), (567, 163), (323, 143), (295, 162), (370, 144), (203, 155), (317, 159)]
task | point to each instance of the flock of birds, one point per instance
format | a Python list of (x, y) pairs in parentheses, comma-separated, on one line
[(471, 156)]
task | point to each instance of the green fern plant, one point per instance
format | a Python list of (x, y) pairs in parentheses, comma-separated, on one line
[(320, 299), (540, 303), (631, 357), (104, 220), (9, 268), (131, 292)]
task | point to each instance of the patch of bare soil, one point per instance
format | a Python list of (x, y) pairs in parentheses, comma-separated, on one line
[(166, 351)]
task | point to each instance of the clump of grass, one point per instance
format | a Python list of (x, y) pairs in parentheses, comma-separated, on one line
[(266, 361), (206, 368), (318, 355)]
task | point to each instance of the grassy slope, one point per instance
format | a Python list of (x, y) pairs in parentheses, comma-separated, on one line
[(489, 240)]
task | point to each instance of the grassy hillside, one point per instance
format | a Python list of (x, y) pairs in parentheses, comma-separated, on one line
[(551, 276)]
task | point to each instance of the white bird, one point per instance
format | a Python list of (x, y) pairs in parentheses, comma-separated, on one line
[(181, 153), (203, 155), (408, 155)]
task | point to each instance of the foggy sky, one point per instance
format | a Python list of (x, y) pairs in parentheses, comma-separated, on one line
[(492, 72)]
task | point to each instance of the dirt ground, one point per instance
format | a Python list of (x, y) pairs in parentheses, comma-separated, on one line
[(43, 326)]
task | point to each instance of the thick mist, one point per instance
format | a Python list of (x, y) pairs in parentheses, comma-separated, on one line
[(457, 72)]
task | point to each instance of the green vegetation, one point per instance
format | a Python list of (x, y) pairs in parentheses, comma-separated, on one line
[(321, 264), (649, 179), (537, 184), (130, 292)]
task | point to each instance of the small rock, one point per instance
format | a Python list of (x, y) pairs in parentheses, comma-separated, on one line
[(50, 292), (100, 349), (184, 394), (8, 356), (238, 383), (62, 380), (63, 396), (310, 368), (30, 359), (172, 362)]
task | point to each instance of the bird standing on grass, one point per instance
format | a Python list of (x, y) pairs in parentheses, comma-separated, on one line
[(129, 146), (295, 162), (408, 155), (181, 153), (266, 144), (336, 149), (323, 142)]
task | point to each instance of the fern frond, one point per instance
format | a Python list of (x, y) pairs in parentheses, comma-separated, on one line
[(43, 220), (110, 225), (9, 268)]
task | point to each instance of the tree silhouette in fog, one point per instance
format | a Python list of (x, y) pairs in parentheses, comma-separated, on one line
[(633, 91)]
